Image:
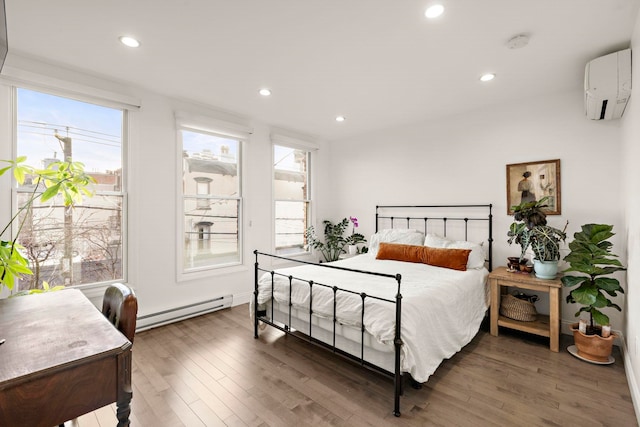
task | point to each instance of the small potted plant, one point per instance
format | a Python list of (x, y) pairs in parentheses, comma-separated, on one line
[(334, 243), (355, 239), (591, 256), (530, 229)]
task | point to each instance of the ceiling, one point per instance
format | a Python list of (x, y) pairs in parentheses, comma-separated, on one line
[(380, 63)]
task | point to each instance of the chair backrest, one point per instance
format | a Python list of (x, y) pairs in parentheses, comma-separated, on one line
[(120, 306)]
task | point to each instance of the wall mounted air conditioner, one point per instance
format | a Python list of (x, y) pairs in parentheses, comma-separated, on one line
[(607, 85)]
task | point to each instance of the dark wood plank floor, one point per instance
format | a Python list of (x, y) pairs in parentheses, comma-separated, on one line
[(209, 371)]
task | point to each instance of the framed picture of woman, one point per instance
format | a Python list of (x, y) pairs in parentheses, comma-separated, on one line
[(533, 181)]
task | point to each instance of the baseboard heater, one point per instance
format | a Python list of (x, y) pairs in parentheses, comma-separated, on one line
[(181, 313)]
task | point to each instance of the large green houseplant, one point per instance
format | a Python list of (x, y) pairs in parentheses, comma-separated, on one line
[(530, 230), (66, 179), (334, 241), (590, 254), (592, 259)]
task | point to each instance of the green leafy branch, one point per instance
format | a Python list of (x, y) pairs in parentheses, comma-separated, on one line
[(67, 179)]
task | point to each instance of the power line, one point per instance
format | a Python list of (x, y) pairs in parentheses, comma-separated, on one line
[(57, 126), (72, 134), (75, 139)]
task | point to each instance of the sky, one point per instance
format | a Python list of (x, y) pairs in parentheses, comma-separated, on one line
[(96, 134), (95, 131)]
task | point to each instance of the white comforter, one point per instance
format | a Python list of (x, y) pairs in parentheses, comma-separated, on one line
[(441, 308)]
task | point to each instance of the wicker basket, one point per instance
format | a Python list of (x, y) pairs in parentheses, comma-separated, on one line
[(518, 309)]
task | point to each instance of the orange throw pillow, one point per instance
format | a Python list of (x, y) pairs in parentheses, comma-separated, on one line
[(455, 259)]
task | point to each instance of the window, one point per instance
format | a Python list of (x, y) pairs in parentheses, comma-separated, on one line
[(211, 200), (85, 244), (291, 199)]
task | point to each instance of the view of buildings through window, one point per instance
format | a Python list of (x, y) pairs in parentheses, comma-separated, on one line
[(291, 198), (211, 200), (85, 244)]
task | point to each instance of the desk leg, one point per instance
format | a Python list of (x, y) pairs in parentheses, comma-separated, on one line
[(495, 306), (554, 319), (123, 412), (124, 388)]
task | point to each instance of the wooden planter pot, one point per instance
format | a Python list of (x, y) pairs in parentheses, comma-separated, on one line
[(592, 347)]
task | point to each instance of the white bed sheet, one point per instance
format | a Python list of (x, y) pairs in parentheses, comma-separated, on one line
[(441, 308)]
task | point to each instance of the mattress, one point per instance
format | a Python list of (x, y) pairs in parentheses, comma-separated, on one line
[(441, 308)]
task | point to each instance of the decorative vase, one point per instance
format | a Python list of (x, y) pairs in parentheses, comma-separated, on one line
[(352, 249), (545, 269), (593, 347)]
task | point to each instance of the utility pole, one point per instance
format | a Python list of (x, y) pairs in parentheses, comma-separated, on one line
[(67, 259)]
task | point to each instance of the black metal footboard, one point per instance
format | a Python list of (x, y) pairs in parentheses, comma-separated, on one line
[(259, 316)]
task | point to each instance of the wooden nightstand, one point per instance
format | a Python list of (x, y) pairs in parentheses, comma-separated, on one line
[(546, 326)]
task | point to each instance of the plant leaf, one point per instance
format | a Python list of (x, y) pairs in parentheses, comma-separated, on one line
[(586, 294), (570, 281), (599, 317)]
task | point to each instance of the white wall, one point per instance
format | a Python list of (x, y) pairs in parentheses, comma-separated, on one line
[(463, 159), (152, 184), (630, 185)]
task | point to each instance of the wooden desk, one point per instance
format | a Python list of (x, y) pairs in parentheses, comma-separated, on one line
[(61, 359), (546, 326)]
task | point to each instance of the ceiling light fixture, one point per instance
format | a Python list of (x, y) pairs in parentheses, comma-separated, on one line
[(518, 42), (340, 118), (129, 41), (487, 77), (434, 11), (265, 92)]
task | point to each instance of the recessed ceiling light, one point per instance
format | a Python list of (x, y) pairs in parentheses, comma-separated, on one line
[(340, 118), (265, 92), (487, 77), (129, 41), (434, 11)]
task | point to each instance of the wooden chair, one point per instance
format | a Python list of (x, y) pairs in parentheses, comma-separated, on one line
[(120, 306)]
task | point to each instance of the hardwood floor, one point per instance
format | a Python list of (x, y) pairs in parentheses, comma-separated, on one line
[(209, 371)]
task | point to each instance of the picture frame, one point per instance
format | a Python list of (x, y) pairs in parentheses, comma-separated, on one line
[(533, 181)]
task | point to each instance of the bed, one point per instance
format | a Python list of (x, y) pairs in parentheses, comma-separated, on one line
[(394, 316)]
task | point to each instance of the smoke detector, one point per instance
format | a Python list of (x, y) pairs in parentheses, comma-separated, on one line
[(518, 42)]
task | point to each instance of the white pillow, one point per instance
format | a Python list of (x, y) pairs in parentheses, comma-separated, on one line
[(403, 236), (476, 257)]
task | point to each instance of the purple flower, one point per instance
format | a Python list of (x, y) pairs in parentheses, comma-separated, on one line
[(354, 220)]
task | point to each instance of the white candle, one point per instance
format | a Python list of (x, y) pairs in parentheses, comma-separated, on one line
[(582, 326)]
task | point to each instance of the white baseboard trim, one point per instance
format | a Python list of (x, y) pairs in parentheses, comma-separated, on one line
[(631, 379)]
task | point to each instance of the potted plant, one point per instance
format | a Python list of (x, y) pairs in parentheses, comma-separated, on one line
[(530, 229), (355, 239), (591, 256), (67, 179), (334, 242)]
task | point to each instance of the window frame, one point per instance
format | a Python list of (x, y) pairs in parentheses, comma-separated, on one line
[(309, 148), (203, 126), (103, 99)]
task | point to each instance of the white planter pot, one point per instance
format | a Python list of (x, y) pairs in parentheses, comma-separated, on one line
[(545, 269), (352, 249)]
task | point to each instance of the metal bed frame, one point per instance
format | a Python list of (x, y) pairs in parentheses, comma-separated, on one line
[(261, 315)]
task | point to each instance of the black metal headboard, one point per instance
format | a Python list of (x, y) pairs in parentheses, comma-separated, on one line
[(426, 215)]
